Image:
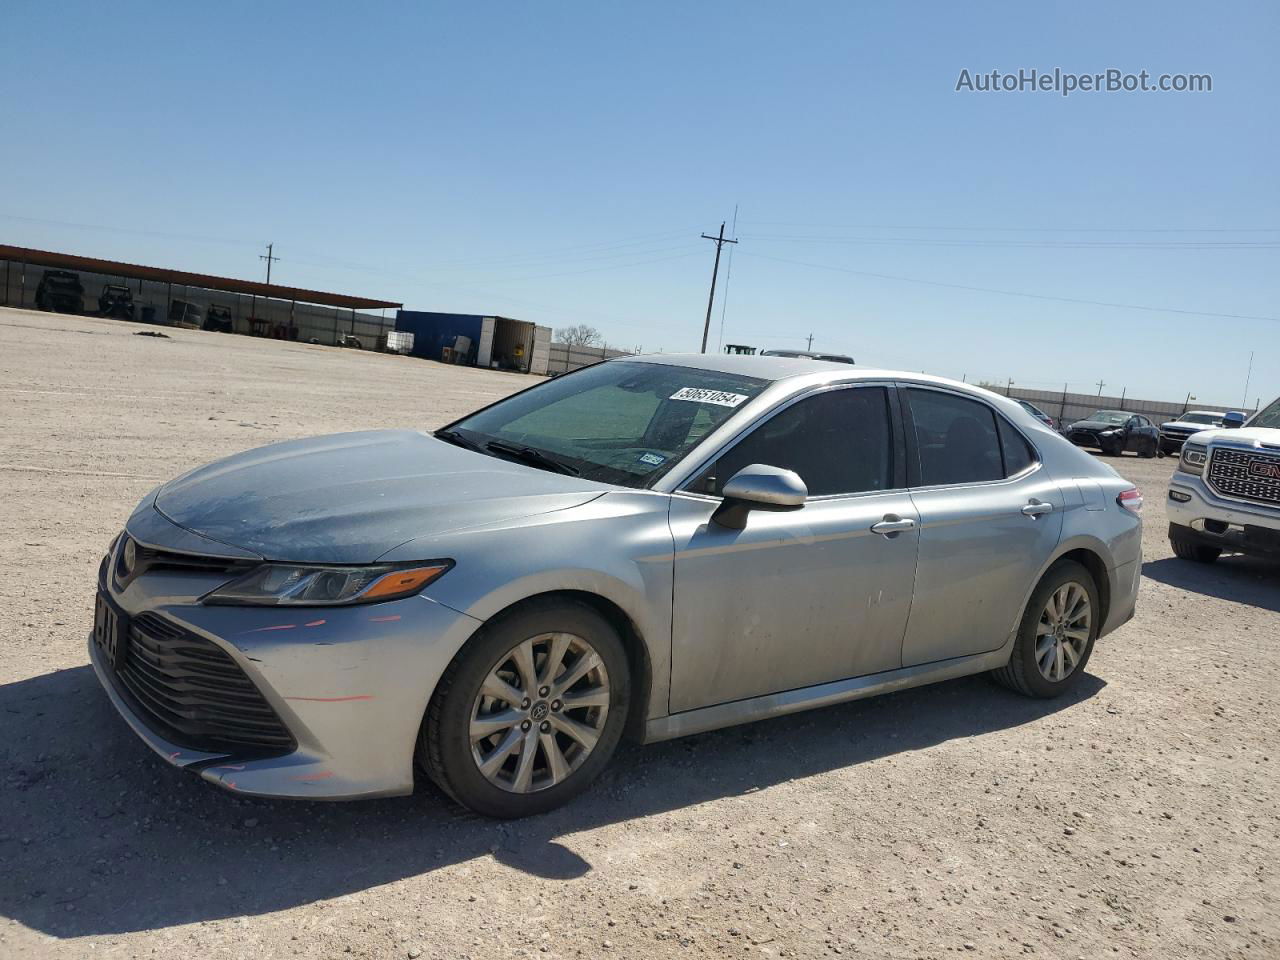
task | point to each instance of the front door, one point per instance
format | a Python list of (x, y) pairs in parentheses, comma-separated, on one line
[(990, 516), (803, 597)]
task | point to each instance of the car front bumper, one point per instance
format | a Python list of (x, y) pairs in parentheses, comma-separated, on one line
[(351, 685), (1216, 521), (1173, 441)]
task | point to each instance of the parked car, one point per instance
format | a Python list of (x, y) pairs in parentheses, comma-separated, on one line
[(1036, 412), (654, 546), (1175, 432), (60, 291), (1224, 496), (116, 300), (1115, 431), (807, 355), (218, 319)]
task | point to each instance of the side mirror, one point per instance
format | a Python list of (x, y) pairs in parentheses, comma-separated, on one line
[(1233, 420), (759, 487)]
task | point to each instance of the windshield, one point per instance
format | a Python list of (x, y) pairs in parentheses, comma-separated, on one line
[(1268, 416), (1108, 416), (618, 422), (1208, 418)]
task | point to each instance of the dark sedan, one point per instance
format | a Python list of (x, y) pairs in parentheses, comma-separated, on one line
[(1115, 431)]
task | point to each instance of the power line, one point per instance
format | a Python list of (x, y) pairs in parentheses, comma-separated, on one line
[(990, 229), (1014, 293), (1029, 244), (720, 241)]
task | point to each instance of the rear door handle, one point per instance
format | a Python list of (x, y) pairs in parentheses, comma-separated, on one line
[(892, 525), (1037, 508)]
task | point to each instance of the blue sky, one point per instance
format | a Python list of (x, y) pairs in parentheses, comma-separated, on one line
[(557, 162)]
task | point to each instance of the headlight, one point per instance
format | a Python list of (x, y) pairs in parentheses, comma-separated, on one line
[(1109, 433), (279, 584), (1193, 458)]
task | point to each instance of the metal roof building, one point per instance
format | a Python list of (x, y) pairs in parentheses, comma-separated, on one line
[(253, 306)]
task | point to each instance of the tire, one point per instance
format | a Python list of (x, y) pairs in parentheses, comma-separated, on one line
[(1190, 550), (446, 751), (1023, 674)]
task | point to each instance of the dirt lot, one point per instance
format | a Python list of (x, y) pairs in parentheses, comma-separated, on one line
[(1135, 818)]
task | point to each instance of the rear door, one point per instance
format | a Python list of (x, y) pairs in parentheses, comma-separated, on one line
[(803, 597), (989, 517)]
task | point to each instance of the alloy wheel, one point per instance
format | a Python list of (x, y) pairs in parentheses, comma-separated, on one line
[(539, 713), (1062, 635)]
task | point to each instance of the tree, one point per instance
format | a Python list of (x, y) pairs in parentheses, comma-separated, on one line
[(579, 336)]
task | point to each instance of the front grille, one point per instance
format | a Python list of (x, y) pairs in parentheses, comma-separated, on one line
[(148, 559), (1084, 438), (1245, 474), (195, 694)]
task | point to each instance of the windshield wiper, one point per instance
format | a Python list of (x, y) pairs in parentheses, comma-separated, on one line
[(456, 438), (535, 458)]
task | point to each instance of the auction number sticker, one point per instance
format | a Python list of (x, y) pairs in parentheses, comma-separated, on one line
[(701, 395)]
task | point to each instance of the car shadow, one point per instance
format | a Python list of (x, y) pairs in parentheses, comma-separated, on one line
[(100, 836), (1249, 580)]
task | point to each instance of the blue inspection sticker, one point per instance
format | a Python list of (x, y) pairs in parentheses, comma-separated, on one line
[(653, 459)]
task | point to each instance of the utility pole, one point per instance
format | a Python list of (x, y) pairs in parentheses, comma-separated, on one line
[(1244, 402), (1008, 387), (1187, 403), (809, 344), (1101, 384), (720, 241), (269, 258)]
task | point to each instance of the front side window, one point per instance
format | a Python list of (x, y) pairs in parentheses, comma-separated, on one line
[(620, 422), (838, 442)]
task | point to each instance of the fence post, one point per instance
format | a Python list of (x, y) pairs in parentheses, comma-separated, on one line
[(1062, 410)]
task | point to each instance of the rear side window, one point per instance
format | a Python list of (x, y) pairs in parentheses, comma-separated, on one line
[(956, 438), (1018, 454), (838, 442)]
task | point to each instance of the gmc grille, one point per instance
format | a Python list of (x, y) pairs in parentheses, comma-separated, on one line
[(1245, 474), (195, 694)]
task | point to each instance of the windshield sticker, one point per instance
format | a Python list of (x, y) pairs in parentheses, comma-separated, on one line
[(653, 459), (700, 395)]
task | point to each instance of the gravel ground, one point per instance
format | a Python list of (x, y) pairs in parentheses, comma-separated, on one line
[(1134, 818)]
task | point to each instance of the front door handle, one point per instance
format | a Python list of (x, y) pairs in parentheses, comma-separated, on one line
[(1037, 508), (892, 525)]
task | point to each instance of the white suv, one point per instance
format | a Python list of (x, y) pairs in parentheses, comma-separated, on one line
[(1225, 494)]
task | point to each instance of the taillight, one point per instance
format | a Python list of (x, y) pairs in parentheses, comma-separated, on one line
[(1131, 500)]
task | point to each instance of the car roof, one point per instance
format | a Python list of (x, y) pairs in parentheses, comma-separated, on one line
[(1204, 413), (799, 371)]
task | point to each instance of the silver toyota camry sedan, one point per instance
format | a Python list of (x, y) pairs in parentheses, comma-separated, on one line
[(649, 547)]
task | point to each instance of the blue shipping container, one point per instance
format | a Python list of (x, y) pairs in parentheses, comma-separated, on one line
[(434, 331)]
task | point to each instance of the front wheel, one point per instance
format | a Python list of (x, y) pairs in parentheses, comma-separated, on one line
[(1056, 635), (1190, 550), (529, 712)]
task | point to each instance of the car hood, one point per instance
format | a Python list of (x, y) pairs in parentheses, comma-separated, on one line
[(1183, 427), (1267, 437), (1095, 425), (349, 498)]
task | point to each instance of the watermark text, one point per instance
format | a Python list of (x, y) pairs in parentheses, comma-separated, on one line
[(1059, 81)]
